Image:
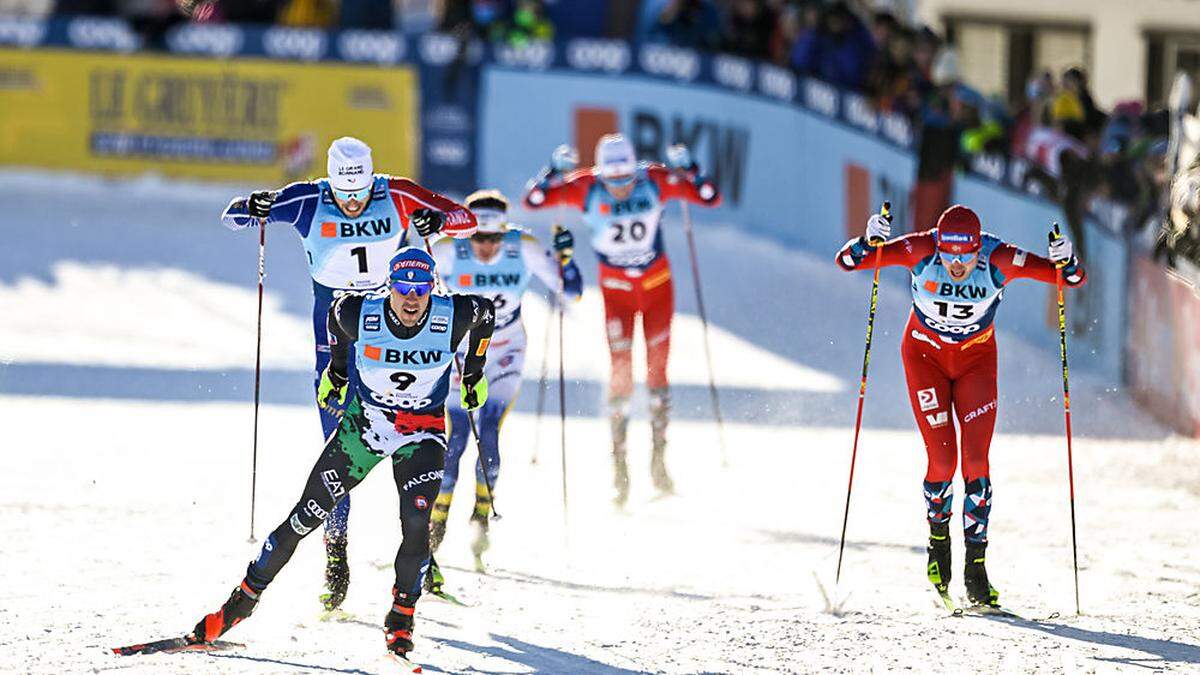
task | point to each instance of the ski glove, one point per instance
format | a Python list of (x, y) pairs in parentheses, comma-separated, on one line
[(564, 159), (259, 203), (474, 390), (679, 158), (331, 391), (1061, 253), (879, 229), (564, 245), (427, 221)]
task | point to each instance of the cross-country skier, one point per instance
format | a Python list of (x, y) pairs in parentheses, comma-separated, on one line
[(404, 341), (622, 201), (350, 223), (949, 354), (497, 262)]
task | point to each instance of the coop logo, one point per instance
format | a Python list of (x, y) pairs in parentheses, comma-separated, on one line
[(294, 43), (821, 97), (366, 228), (423, 478), (488, 280), (370, 324), (947, 289), (21, 32), (439, 323), (859, 113), (981, 410), (680, 64), (733, 72), (438, 50), (897, 129), (776, 82), (333, 483), (370, 47), (609, 56), (927, 399), (102, 34), (533, 56), (448, 152), (210, 39), (407, 357)]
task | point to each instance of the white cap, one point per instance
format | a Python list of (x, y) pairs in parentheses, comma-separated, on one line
[(615, 156), (349, 165)]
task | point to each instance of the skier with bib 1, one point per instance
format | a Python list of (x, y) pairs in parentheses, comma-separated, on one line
[(622, 202), (497, 262), (949, 353), (404, 341), (351, 224)]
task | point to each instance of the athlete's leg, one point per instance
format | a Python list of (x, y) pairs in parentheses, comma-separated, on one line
[(504, 385), (975, 407), (619, 311), (417, 469), (929, 392), (459, 434), (658, 308), (323, 297)]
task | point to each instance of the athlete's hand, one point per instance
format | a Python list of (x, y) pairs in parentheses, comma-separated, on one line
[(679, 158), (879, 230), (1061, 253), (564, 244), (474, 390), (564, 159), (259, 203), (331, 391), (427, 221)]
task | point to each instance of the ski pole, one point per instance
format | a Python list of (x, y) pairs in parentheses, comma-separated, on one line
[(886, 212), (262, 273), (562, 388), (1062, 345), (541, 397), (712, 385)]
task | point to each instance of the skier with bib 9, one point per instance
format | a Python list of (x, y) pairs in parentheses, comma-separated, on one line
[(622, 202), (948, 349)]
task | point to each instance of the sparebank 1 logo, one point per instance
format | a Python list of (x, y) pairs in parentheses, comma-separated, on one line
[(721, 149)]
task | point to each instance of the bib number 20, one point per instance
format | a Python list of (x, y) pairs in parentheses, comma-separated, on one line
[(622, 232)]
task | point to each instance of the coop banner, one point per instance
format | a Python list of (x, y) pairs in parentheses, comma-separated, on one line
[(261, 121)]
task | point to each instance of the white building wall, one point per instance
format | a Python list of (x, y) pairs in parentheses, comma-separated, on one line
[(1118, 27)]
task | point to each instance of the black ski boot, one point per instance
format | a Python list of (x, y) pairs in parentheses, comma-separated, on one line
[(975, 578), (337, 573), (660, 412), (938, 567), (398, 629), (241, 604)]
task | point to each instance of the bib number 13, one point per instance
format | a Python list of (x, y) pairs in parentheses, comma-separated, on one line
[(954, 311)]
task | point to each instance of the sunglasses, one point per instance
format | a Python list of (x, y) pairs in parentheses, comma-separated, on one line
[(357, 195), (421, 288), (619, 181), (487, 237), (960, 258)]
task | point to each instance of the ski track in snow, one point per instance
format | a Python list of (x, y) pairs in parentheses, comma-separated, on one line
[(126, 519)]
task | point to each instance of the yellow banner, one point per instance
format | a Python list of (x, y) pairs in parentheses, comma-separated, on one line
[(247, 121)]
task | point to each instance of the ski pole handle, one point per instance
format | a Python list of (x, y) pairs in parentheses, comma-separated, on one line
[(886, 212)]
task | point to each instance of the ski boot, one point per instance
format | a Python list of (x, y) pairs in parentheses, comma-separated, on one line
[(975, 578), (481, 542), (398, 627), (938, 567), (337, 573), (619, 422), (660, 409), (241, 604)]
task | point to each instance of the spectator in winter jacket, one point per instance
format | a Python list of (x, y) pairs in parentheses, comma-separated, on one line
[(839, 50)]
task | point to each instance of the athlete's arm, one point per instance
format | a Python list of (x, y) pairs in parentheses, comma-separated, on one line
[(1011, 262), (474, 317), (294, 205), (342, 325), (689, 186), (408, 197), (903, 251), (544, 266), (552, 188)]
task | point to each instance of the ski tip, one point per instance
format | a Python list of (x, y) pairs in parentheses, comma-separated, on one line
[(408, 666)]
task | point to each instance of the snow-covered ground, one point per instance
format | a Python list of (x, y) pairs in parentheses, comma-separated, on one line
[(125, 374)]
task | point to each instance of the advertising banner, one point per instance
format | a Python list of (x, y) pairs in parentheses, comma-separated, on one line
[(1164, 346), (244, 120)]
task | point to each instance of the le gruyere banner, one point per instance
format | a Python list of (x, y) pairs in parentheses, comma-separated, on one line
[(236, 120)]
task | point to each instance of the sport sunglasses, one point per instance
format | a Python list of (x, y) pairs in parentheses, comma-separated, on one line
[(421, 288), (347, 195)]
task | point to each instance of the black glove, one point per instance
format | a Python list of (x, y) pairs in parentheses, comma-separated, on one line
[(564, 244), (259, 203), (427, 221)]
